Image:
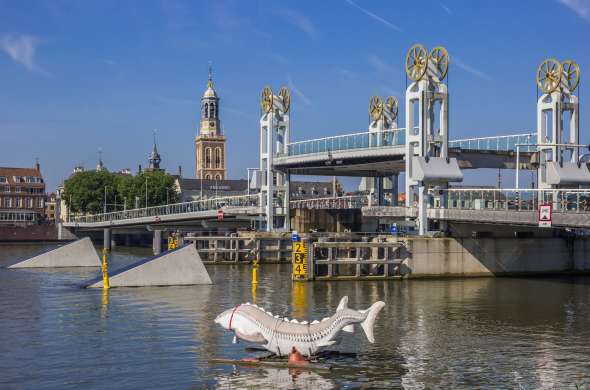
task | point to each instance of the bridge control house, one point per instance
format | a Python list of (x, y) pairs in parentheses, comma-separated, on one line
[(22, 195)]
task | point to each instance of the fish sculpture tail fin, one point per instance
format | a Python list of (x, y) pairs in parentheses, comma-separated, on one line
[(369, 322), (343, 303)]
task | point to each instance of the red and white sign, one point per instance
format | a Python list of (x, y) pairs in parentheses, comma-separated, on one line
[(545, 215), (220, 215)]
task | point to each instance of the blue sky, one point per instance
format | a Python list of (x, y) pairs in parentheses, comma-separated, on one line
[(81, 75)]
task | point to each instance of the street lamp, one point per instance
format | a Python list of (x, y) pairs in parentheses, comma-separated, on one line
[(104, 208), (146, 193)]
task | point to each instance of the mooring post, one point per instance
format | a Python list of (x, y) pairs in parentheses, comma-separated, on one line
[(157, 242), (106, 239)]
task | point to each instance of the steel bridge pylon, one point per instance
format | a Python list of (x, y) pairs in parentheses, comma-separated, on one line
[(556, 136), (274, 139), (427, 155)]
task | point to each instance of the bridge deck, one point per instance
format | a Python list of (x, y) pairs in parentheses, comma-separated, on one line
[(382, 153)]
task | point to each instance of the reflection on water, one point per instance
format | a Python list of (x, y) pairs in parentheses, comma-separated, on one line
[(492, 333)]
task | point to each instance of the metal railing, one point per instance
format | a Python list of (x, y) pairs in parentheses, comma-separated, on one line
[(501, 143), (341, 202), (170, 209), (396, 137), (562, 200), (365, 140)]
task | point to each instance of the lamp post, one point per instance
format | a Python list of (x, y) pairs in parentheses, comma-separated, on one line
[(104, 208), (146, 193)]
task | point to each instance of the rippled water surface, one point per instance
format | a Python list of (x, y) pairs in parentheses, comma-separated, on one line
[(524, 333)]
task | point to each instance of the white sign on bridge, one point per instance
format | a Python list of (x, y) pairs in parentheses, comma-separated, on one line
[(545, 215)]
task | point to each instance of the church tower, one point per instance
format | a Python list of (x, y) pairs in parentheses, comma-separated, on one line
[(210, 142)]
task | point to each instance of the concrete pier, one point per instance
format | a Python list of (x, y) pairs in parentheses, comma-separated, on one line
[(106, 242), (157, 242), (173, 268), (467, 257), (79, 253)]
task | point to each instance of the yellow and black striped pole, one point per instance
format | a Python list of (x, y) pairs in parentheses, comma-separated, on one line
[(105, 269)]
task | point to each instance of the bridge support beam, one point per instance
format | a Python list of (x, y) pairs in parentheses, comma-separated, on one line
[(106, 239), (379, 193), (394, 189), (422, 210), (157, 242)]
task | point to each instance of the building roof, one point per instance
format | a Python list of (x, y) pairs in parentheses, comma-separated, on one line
[(10, 172), (212, 185)]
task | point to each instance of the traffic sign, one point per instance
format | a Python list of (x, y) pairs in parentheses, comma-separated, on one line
[(545, 215), (393, 228), (294, 236), (220, 215)]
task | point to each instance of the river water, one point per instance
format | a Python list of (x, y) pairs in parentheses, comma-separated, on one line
[(513, 333)]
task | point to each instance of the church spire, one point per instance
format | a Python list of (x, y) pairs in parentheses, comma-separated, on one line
[(154, 159), (210, 82)]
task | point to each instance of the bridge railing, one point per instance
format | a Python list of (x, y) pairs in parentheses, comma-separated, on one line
[(501, 143), (176, 208), (340, 202), (561, 200), (365, 140)]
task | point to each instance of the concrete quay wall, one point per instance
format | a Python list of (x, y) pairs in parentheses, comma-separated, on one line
[(467, 257)]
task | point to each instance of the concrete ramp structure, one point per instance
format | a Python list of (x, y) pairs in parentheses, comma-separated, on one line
[(182, 266), (80, 253)]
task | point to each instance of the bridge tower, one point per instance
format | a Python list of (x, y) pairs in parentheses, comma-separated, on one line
[(558, 131), (427, 159), (274, 138), (383, 120)]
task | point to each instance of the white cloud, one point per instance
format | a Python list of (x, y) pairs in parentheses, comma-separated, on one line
[(470, 69), (348, 74), (298, 20), (447, 9), (580, 7), (297, 92), (374, 16), (379, 64), (21, 49)]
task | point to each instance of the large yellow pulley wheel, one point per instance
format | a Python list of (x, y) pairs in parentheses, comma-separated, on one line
[(392, 106), (549, 75), (375, 107), (266, 99), (416, 62), (439, 60), (570, 75), (285, 96)]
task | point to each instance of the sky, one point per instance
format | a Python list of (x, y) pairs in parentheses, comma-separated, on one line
[(77, 76)]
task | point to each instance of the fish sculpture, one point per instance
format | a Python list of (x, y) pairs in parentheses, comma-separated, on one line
[(279, 335)]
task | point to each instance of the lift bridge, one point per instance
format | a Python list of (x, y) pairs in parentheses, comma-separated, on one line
[(421, 150)]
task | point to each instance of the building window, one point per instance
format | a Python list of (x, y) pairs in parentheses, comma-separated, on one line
[(3, 179), (218, 177), (206, 110), (208, 158), (207, 177), (212, 111), (41, 203), (217, 157)]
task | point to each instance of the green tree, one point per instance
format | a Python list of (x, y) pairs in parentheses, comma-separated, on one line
[(160, 189), (84, 192)]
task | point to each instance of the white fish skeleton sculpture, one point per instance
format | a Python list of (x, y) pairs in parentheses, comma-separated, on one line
[(254, 324)]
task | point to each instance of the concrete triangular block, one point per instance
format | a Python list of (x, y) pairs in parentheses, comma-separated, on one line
[(80, 253), (182, 266)]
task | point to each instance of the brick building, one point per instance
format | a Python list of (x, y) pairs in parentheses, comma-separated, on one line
[(22, 195), (210, 142)]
